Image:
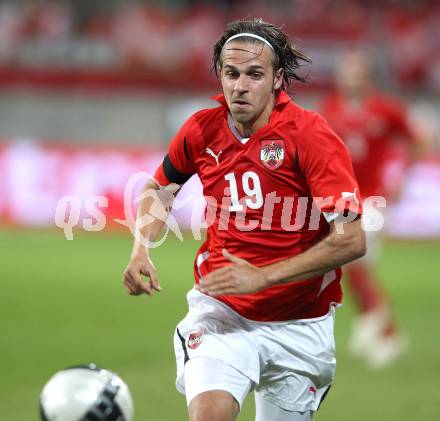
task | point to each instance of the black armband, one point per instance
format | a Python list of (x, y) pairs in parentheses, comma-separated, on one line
[(174, 175)]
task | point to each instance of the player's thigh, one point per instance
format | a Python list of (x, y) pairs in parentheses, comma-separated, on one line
[(266, 410), (215, 405), (214, 390)]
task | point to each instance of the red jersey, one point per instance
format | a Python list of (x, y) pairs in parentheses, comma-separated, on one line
[(259, 192), (369, 130)]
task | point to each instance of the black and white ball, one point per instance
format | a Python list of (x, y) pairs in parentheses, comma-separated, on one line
[(86, 393)]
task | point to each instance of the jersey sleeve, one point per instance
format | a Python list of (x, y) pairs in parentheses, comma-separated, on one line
[(178, 165), (326, 164)]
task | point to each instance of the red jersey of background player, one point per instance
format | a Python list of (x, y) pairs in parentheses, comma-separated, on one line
[(253, 184), (369, 127)]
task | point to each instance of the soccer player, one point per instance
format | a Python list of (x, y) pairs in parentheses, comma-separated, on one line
[(284, 215), (370, 124)]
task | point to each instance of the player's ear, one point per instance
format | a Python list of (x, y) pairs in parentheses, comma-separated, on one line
[(278, 79)]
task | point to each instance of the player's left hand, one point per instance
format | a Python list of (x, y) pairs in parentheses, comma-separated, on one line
[(239, 278)]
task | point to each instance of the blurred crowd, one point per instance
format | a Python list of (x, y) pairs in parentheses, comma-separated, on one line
[(169, 40)]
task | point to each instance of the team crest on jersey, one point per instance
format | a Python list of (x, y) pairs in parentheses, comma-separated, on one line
[(195, 339), (272, 153)]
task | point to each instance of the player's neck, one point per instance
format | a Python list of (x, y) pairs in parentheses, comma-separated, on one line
[(355, 98), (249, 128), (356, 95)]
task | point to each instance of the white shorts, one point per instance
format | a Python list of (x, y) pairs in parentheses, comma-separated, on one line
[(291, 364)]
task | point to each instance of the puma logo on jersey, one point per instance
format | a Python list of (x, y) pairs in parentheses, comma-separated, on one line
[(209, 151), (347, 194)]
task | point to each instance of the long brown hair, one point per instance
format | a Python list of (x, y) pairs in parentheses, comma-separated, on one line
[(286, 56)]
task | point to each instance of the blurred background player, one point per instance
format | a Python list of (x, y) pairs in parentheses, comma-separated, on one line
[(372, 125)]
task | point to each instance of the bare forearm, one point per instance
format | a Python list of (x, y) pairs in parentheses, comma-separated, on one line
[(153, 210), (151, 214), (330, 253), (241, 277)]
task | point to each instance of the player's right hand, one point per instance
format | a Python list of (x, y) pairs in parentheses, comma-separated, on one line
[(134, 273)]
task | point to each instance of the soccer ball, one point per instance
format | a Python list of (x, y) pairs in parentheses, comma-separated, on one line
[(86, 393)]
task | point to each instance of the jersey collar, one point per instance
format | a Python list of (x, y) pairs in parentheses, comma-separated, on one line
[(282, 99)]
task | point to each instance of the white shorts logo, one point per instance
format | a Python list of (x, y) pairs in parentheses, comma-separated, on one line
[(195, 339)]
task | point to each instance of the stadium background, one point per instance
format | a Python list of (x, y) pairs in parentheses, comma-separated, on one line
[(90, 93)]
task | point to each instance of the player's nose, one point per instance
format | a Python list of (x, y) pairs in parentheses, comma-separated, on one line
[(241, 84)]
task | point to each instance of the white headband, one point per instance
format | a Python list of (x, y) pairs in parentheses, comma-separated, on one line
[(248, 34)]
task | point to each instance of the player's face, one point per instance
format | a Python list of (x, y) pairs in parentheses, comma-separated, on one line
[(248, 81), (352, 73)]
